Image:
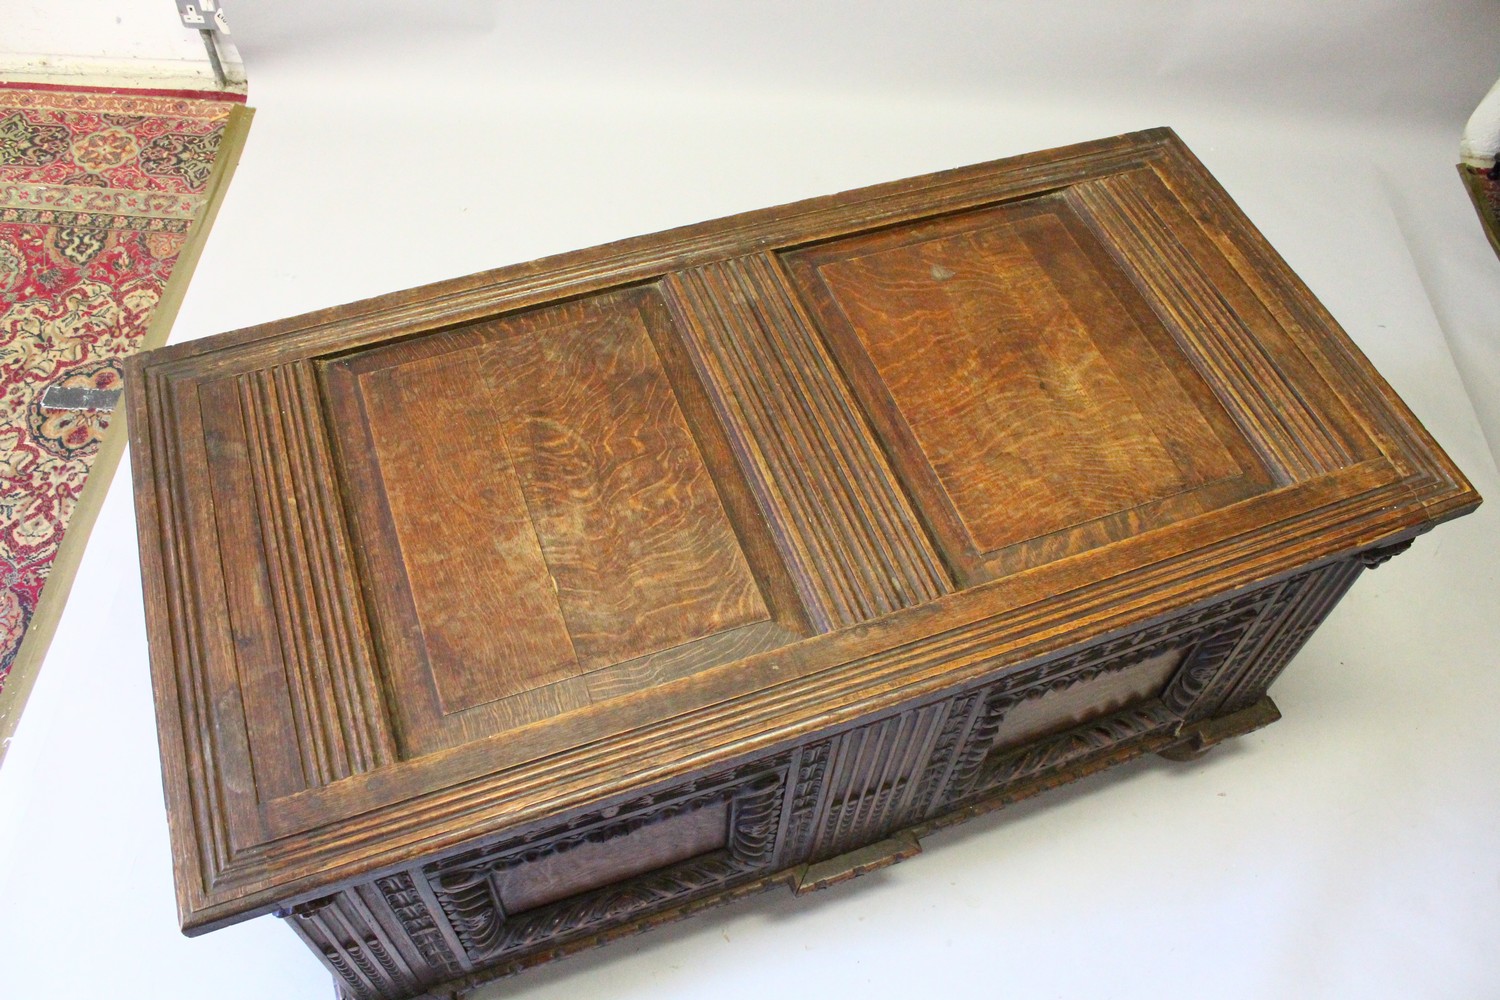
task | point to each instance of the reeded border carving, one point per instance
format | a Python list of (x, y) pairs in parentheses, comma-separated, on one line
[(342, 929), (812, 765), (405, 900)]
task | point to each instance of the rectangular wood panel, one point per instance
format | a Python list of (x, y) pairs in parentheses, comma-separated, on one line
[(1054, 710), (1024, 385), (637, 541), (594, 863), (485, 601), (534, 482)]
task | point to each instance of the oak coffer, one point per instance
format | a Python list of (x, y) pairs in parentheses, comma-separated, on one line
[(499, 617)]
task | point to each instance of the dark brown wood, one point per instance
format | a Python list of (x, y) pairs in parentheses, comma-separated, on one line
[(501, 617)]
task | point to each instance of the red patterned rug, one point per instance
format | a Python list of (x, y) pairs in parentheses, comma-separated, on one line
[(99, 192)]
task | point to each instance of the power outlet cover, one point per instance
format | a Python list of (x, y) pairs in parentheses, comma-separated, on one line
[(203, 15)]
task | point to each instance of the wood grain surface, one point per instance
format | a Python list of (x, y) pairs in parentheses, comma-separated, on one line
[(504, 616), (1023, 383), (484, 598), (535, 483), (636, 538)]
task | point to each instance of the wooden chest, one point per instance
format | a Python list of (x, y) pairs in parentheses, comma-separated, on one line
[(500, 617)]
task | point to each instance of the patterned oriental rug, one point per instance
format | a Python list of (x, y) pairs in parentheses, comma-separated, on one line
[(105, 199)]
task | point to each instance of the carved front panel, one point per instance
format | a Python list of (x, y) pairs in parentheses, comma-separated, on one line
[(863, 784), (498, 907), (1093, 701), (613, 865)]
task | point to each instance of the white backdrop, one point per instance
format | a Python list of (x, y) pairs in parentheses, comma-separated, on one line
[(104, 42), (1353, 849)]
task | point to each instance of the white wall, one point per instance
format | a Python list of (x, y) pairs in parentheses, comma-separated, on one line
[(93, 42)]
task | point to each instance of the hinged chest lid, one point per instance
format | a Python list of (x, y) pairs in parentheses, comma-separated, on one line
[(438, 564)]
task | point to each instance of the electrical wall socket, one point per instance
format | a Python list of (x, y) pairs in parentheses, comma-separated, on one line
[(203, 15)]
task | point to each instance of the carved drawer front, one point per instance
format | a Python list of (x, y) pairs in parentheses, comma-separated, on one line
[(497, 906), (613, 865), (1064, 712)]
